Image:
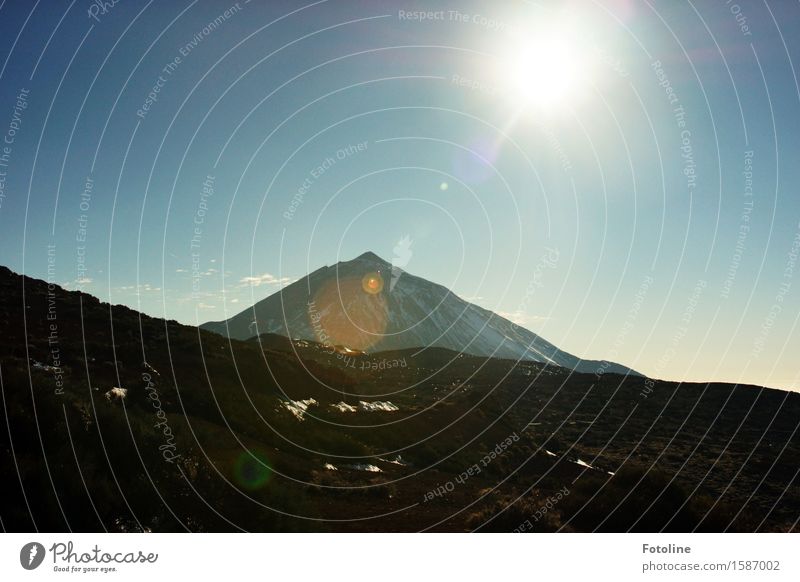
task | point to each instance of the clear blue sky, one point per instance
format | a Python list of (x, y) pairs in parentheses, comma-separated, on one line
[(601, 219)]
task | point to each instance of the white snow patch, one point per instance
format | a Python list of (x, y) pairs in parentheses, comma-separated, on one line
[(298, 407), (378, 406), (583, 464), (41, 366), (116, 394), (344, 407), (398, 460), (330, 467), (549, 454), (366, 467)]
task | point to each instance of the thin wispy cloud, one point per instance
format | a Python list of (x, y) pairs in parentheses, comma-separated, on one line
[(265, 279), (522, 319)]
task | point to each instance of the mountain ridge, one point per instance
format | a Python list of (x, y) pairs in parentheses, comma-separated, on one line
[(366, 303), (214, 399)]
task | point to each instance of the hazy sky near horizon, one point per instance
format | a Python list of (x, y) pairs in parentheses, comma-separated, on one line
[(620, 177)]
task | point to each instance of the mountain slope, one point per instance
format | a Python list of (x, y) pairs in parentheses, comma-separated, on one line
[(364, 305), (218, 439)]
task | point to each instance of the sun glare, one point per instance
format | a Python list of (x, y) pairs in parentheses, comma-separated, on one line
[(544, 72), (545, 69)]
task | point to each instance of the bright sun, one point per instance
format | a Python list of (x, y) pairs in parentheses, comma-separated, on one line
[(547, 69), (544, 73)]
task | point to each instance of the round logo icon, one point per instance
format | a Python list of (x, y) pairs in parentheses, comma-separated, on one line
[(31, 555)]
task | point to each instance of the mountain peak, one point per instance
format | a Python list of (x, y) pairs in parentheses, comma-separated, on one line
[(370, 257), (354, 303)]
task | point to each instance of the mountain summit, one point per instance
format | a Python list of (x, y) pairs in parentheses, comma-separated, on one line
[(369, 256), (352, 304)]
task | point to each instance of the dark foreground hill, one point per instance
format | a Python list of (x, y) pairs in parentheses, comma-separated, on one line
[(208, 434)]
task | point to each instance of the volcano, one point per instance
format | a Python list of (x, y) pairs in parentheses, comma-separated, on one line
[(367, 305)]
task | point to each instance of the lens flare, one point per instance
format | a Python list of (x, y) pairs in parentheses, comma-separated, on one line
[(350, 312), (372, 283), (474, 163), (252, 470)]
